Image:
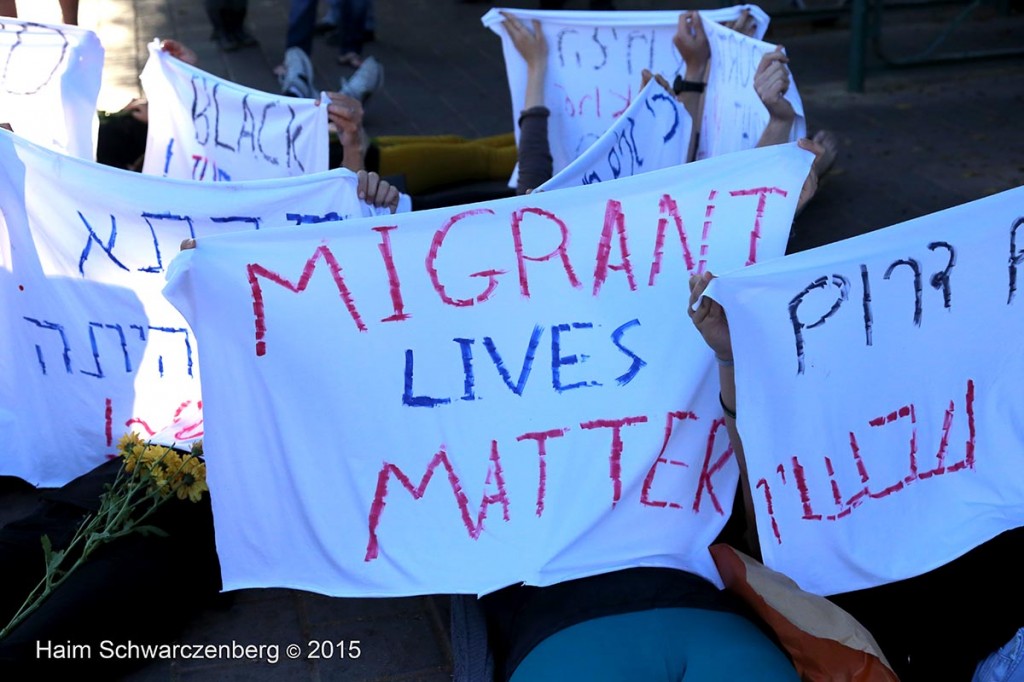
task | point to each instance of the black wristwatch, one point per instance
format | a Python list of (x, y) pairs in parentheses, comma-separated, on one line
[(679, 85)]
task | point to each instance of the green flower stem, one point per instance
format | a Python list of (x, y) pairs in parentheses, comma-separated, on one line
[(127, 503)]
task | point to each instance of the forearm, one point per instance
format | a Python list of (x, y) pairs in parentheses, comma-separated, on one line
[(535, 164), (693, 102), (727, 384), (535, 75), (352, 152), (776, 132)]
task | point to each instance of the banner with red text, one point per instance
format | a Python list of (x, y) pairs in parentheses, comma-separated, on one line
[(90, 347), (205, 128), (594, 64), (460, 399), (51, 80), (879, 395)]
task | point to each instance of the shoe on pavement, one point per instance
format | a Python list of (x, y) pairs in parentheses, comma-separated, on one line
[(367, 79), (296, 76), (226, 41), (244, 38)]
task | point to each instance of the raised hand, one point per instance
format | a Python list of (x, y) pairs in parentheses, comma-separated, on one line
[(746, 24), (530, 44), (771, 81), (693, 46), (346, 114), (376, 191), (709, 318), (180, 51)]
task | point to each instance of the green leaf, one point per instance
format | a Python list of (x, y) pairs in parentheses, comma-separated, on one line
[(53, 562), (146, 530)]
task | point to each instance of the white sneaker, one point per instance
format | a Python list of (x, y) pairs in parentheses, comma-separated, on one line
[(296, 77), (367, 79)]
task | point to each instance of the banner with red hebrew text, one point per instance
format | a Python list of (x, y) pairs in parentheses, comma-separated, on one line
[(90, 348), (879, 395), (595, 60), (460, 399)]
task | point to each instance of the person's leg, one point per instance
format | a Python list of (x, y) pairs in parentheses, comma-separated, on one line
[(353, 28), (332, 19), (219, 15), (234, 22), (301, 20), (370, 27), (69, 12)]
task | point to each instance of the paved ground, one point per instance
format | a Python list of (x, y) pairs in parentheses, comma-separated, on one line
[(915, 142)]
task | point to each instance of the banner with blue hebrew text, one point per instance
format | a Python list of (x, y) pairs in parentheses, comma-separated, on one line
[(205, 128), (90, 347), (652, 133), (460, 399), (878, 395)]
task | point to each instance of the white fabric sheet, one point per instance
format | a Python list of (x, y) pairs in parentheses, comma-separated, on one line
[(653, 133), (460, 399), (90, 347), (734, 116), (594, 65), (50, 83), (208, 129), (879, 396)]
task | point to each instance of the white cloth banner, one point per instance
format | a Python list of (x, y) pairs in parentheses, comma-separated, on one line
[(51, 81), (653, 133), (879, 397), (594, 65), (734, 116), (460, 399), (208, 129), (90, 347)]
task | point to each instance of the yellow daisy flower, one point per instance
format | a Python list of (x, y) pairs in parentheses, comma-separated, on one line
[(128, 441), (192, 481)]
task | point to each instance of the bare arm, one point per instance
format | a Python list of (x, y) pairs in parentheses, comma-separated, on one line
[(771, 81), (346, 113), (693, 46), (710, 320), (533, 48)]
